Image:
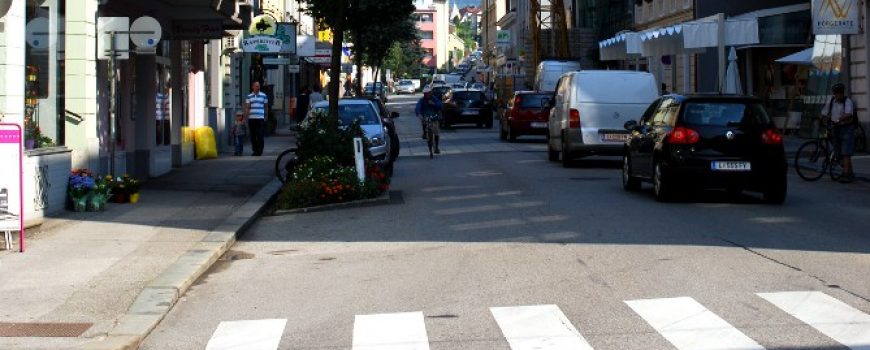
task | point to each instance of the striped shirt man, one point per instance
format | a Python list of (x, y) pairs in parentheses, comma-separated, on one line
[(257, 102)]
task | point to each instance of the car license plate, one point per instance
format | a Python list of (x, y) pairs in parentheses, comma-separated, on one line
[(615, 137), (539, 125), (730, 166), (469, 112)]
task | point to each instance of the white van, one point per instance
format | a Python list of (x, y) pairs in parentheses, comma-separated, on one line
[(590, 110), (548, 73)]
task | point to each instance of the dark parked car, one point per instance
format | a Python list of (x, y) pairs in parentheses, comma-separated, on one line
[(442, 91), (712, 141), (376, 89), (466, 106), (387, 118), (525, 115)]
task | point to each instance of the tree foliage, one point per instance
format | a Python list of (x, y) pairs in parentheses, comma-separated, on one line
[(377, 25), (404, 59), (335, 15)]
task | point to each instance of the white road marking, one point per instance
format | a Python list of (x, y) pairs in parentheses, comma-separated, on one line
[(487, 224), (689, 325), (447, 188), (399, 331), (831, 317), (463, 197), (476, 209), (549, 218), (538, 327), (508, 193), (247, 335), (525, 204)]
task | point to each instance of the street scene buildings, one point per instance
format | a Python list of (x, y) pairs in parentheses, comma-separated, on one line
[(434, 174)]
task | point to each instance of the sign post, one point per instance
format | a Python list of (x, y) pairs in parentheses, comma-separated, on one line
[(12, 187)]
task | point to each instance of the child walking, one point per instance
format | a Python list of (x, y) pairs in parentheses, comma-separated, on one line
[(239, 131)]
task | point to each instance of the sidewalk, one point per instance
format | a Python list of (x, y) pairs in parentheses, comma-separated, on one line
[(88, 268), (860, 161)]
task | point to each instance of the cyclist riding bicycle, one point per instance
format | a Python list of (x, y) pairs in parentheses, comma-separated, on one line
[(840, 110), (429, 106)]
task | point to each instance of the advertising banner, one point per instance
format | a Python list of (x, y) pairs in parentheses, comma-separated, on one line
[(836, 17), (11, 184)]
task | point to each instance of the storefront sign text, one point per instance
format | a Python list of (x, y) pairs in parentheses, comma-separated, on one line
[(835, 17), (262, 44)]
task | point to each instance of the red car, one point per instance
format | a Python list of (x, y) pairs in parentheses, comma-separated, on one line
[(525, 115)]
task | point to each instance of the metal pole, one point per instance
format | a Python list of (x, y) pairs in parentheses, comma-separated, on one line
[(112, 104), (720, 20)]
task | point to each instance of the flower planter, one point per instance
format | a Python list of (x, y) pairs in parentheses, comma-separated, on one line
[(80, 205), (121, 198), (29, 144), (134, 197)]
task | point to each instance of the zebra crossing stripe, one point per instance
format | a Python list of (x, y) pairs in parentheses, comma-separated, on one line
[(247, 335), (538, 327), (831, 317), (399, 331), (689, 325)]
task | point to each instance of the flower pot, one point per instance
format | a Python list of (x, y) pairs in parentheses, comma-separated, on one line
[(121, 197), (96, 205), (80, 205), (29, 144), (134, 197)]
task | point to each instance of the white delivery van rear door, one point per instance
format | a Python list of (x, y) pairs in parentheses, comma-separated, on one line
[(608, 99)]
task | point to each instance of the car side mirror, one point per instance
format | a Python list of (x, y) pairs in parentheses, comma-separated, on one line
[(631, 125), (394, 115)]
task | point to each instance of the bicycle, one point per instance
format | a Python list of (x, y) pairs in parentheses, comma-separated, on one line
[(815, 157), (432, 131), (284, 167)]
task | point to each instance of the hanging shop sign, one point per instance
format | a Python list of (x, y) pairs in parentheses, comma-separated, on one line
[(11, 184), (503, 37), (836, 17), (262, 44), (263, 25), (287, 33)]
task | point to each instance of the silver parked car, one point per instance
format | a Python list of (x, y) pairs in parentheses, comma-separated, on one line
[(405, 86), (372, 125)]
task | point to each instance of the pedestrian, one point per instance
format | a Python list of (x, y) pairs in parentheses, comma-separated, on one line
[(302, 102), (840, 110), (348, 86), (239, 131), (255, 110), (316, 96)]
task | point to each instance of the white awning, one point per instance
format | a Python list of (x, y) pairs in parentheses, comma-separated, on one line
[(803, 57), (684, 38)]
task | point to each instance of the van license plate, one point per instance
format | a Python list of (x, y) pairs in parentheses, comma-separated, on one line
[(539, 125), (731, 166), (469, 112), (615, 137)]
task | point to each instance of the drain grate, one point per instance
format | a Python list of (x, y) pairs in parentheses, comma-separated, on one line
[(12, 329)]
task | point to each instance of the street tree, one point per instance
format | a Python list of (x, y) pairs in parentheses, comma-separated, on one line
[(404, 58), (371, 38), (334, 14)]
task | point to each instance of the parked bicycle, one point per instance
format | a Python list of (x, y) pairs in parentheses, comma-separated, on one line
[(816, 157)]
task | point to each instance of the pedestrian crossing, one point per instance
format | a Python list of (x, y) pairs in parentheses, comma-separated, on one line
[(682, 321)]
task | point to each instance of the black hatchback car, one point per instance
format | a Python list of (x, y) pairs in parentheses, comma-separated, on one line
[(467, 106), (705, 141)]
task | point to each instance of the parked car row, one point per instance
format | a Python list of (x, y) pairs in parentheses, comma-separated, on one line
[(675, 142)]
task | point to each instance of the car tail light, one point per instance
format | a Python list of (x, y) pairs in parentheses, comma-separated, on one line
[(517, 100), (683, 136), (574, 119), (771, 137)]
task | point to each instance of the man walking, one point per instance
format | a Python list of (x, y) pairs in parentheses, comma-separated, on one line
[(255, 110), (841, 111)]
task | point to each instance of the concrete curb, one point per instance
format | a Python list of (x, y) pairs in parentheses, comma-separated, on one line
[(161, 294), (384, 198)]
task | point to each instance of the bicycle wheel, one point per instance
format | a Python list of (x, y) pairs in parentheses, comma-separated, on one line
[(811, 160), (430, 139), (284, 164)]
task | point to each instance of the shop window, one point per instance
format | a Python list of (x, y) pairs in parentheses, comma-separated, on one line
[(44, 75)]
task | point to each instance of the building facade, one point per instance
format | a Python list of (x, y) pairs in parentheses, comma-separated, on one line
[(57, 81), (433, 21)]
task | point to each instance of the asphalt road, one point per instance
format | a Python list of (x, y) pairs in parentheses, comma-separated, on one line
[(489, 246)]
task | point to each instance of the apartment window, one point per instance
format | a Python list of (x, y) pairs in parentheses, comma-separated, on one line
[(425, 17), (426, 34)]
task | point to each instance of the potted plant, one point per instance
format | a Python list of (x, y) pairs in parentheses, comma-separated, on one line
[(132, 186), (119, 191), (32, 134), (100, 195), (80, 186)]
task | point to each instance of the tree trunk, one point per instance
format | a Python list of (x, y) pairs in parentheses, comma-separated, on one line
[(335, 65), (357, 86)]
